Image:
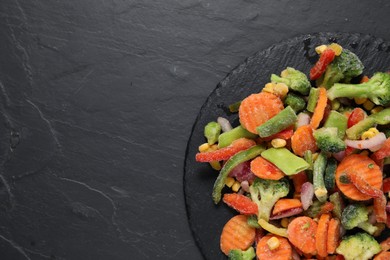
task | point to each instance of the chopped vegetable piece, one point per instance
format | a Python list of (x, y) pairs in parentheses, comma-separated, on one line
[(238, 254), (237, 234), (286, 204), (284, 134), (265, 170), (279, 122), (333, 239), (327, 140), (380, 209), (318, 178), (279, 157), (330, 172), (296, 102), (272, 229), (307, 195), (257, 109), (338, 204), (319, 110), (301, 233), (294, 79), (266, 252), (356, 215), (319, 68), (383, 152), (233, 108), (211, 132), (226, 138), (241, 203), (322, 235), (235, 160), (312, 100), (303, 140), (226, 152), (338, 120), (360, 246)]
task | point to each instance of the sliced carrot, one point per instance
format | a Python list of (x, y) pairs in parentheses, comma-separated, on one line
[(237, 234), (382, 256), (301, 233), (286, 204), (363, 166), (241, 203), (333, 239), (265, 169), (256, 109), (319, 109), (380, 209), (284, 134), (298, 180), (226, 152), (303, 140), (327, 208), (364, 79), (386, 185), (282, 252), (322, 235)]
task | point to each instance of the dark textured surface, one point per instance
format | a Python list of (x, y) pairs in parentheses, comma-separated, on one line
[(97, 101), (244, 80)]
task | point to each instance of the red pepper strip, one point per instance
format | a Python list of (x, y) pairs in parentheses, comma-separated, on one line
[(284, 134), (226, 152), (241, 203), (386, 185), (380, 209), (319, 68), (298, 180), (383, 152), (363, 186), (356, 116)]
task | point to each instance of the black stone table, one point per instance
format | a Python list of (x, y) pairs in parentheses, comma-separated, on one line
[(97, 102)]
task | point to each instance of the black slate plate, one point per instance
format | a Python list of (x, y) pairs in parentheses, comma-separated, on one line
[(205, 218)]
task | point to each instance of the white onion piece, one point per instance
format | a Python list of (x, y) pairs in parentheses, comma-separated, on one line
[(245, 186), (307, 193), (225, 124), (374, 143), (303, 119)]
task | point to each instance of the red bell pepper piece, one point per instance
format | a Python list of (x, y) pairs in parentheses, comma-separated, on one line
[(363, 186), (319, 68), (383, 152), (356, 116), (380, 209), (241, 203), (226, 152), (386, 185)]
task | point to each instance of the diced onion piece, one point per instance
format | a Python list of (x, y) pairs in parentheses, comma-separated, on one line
[(339, 156), (307, 193), (374, 143), (245, 185), (225, 124), (303, 119)]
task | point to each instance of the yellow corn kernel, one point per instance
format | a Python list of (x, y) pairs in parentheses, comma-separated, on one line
[(273, 243), (335, 104), (278, 143), (376, 109), (215, 165), (336, 48), (229, 181), (281, 90), (284, 73), (284, 222), (269, 87), (204, 147), (368, 105), (360, 101), (370, 133), (365, 153), (212, 148), (320, 49), (236, 186), (314, 156)]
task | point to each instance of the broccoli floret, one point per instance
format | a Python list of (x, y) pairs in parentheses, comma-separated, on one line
[(343, 68), (328, 140), (356, 215), (294, 79), (296, 102), (360, 246), (377, 89), (238, 254), (270, 192), (380, 118)]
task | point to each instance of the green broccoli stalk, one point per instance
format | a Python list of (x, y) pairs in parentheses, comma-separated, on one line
[(377, 89), (238, 254), (270, 191), (356, 215), (294, 79), (360, 246), (343, 68), (380, 118), (328, 140)]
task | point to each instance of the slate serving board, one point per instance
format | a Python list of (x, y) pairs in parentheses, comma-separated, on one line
[(205, 218)]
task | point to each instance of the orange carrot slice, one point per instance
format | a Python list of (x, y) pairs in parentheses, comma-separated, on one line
[(241, 203), (265, 169), (282, 252), (303, 140), (226, 152), (363, 166), (286, 204), (333, 239), (385, 244), (301, 233), (382, 256), (319, 109), (256, 109), (363, 186), (322, 235), (237, 234)]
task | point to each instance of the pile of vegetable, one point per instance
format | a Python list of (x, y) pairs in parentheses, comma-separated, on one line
[(304, 169)]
